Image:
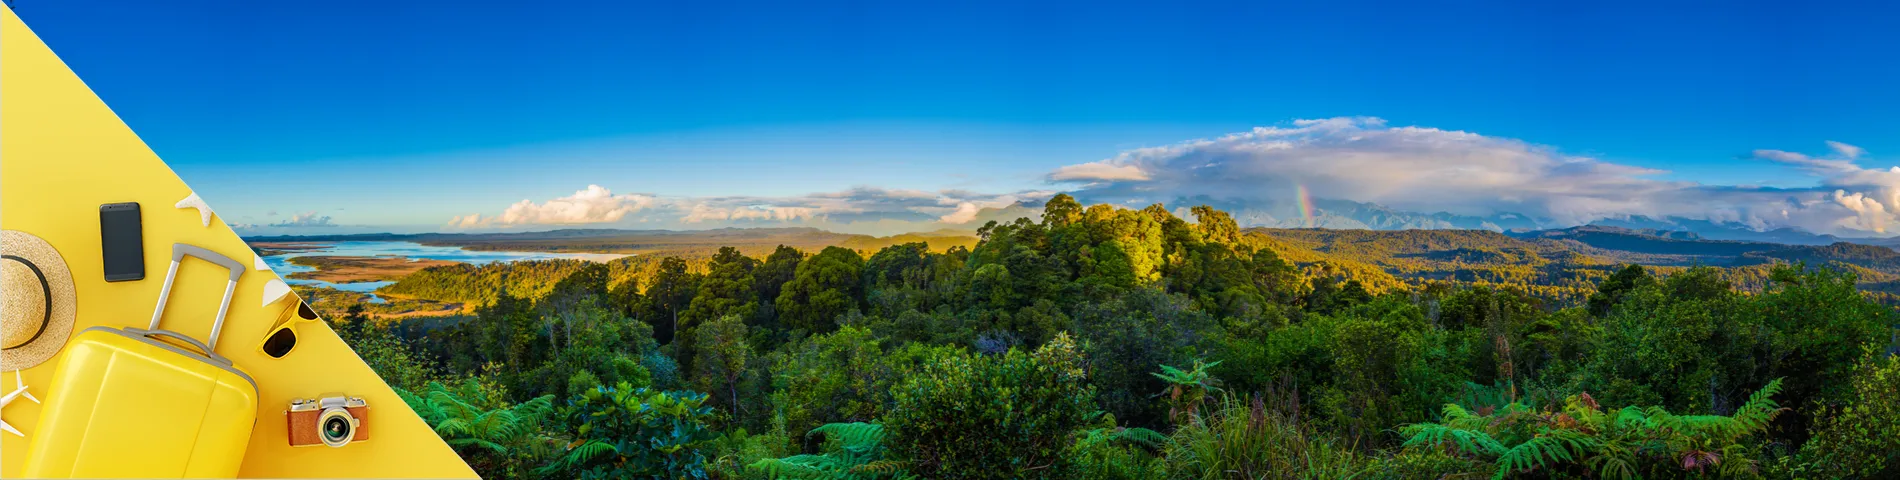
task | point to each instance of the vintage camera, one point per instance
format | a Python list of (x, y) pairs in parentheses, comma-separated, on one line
[(331, 420)]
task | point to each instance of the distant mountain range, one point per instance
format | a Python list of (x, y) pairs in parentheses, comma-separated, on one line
[(1346, 214)]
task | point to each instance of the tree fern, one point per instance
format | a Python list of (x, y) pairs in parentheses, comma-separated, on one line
[(853, 451), (1581, 438), (458, 417), (493, 437)]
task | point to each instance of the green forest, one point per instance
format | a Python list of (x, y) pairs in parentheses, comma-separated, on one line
[(1102, 342)]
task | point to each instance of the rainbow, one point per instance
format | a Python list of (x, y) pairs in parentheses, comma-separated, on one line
[(1306, 203)]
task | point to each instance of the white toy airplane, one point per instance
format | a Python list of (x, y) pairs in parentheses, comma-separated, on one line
[(9, 399)]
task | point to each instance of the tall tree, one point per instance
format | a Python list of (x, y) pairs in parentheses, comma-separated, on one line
[(1216, 226), (1060, 211), (1612, 289), (770, 278), (585, 288), (672, 290), (726, 290), (826, 285), (719, 363)]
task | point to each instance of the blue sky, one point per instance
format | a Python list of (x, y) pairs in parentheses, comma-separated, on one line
[(407, 114)]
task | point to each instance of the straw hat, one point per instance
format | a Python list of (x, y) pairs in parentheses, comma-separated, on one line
[(36, 300)]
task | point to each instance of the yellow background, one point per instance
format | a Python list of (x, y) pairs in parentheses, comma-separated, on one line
[(62, 154)]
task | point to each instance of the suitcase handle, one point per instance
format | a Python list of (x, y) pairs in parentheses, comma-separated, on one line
[(179, 251), (214, 356)]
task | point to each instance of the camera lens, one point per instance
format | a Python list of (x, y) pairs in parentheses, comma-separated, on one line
[(336, 427)]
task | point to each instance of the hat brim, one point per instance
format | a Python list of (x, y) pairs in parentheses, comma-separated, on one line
[(63, 309)]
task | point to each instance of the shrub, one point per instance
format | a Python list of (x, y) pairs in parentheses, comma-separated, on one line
[(1117, 453), (1005, 416), (842, 376), (491, 436), (626, 432), (1126, 337), (1860, 439)]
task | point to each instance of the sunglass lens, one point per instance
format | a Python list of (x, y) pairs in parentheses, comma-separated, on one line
[(303, 310), (280, 343)]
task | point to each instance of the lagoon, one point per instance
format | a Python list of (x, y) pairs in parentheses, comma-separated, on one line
[(414, 251)]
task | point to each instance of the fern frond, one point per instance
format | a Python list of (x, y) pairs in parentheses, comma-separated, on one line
[(1613, 462), (587, 452), (796, 467), (535, 411), (1761, 407), (453, 427), (1471, 442), (451, 406), (1456, 416), (881, 467), (1633, 418), (855, 436), (1735, 463), (1141, 436), (1544, 450), (477, 442)]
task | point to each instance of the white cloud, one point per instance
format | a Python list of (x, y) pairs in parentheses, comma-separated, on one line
[(1869, 213), (594, 204), (1824, 165), (466, 221), (306, 219), (1103, 170), (965, 212), (1360, 159), (1846, 150)]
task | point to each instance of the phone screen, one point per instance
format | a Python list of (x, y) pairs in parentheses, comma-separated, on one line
[(123, 240)]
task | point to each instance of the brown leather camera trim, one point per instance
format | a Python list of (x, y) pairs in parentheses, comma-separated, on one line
[(308, 435)]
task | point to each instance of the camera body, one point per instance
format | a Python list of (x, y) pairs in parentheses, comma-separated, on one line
[(330, 420)]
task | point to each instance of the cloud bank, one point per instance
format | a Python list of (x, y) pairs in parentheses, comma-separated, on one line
[(306, 219), (594, 204), (1358, 159)]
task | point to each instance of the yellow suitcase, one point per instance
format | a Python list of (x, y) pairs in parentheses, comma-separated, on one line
[(124, 403)]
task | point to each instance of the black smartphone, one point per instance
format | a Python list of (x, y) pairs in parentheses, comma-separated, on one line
[(122, 238)]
